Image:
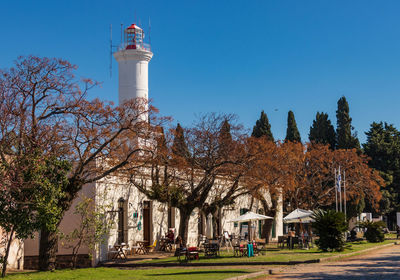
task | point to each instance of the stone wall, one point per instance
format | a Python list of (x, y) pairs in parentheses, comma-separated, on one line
[(62, 261)]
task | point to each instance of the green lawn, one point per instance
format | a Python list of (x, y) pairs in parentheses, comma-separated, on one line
[(112, 273), (391, 235), (284, 255), (190, 274)]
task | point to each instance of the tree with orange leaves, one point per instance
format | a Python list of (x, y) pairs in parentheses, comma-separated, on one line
[(202, 169), (269, 175), (315, 182), (44, 110), (303, 175)]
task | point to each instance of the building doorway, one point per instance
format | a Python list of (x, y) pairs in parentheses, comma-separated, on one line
[(147, 222), (121, 221)]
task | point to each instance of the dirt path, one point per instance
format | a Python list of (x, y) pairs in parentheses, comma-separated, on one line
[(379, 264)]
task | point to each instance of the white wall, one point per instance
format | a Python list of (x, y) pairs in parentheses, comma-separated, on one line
[(107, 192)]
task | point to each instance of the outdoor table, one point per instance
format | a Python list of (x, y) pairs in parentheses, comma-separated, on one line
[(211, 249), (165, 244), (142, 247), (239, 250), (120, 252), (291, 241)]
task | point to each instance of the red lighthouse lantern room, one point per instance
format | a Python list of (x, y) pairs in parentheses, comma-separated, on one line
[(134, 36)]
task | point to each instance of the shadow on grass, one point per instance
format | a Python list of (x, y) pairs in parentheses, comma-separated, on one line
[(199, 272), (33, 272), (352, 247)]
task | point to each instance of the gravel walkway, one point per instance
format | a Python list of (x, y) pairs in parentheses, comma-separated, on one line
[(379, 264)]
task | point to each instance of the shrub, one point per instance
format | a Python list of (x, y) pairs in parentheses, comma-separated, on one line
[(330, 226), (374, 231)]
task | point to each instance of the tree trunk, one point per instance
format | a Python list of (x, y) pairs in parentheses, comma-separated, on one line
[(3, 271), (267, 230), (47, 249), (184, 225), (215, 223)]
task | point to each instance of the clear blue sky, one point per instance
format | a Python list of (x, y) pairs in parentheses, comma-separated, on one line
[(230, 56)]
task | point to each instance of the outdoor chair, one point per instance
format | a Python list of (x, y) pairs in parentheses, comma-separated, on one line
[(125, 248), (281, 241), (228, 241), (151, 247), (133, 248), (179, 252), (292, 241), (165, 244), (211, 249), (112, 252), (256, 250), (192, 253), (202, 241), (242, 249), (296, 241)]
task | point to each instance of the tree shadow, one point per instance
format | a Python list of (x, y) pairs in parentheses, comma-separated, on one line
[(200, 272)]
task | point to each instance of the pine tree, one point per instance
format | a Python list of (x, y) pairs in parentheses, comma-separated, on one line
[(383, 148), (292, 133), (262, 128), (345, 139), (179, 146), (322, 131)]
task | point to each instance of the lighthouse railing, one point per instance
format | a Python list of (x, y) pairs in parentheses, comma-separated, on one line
[(132, 45)]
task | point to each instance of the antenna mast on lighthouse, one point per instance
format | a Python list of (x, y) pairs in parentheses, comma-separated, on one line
[(111, 56)]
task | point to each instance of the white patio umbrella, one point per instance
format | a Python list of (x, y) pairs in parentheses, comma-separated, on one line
[(248, 217), (209, 228), (299, 216)]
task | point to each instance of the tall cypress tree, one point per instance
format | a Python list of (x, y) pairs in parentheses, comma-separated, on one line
[(225, 132), (262, 127), (179, 146), (322, 131), (292, 133), (225, 139), (344, 138), (162, 149)]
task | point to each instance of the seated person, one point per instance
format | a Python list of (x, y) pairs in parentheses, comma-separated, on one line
[(180, 247), (170, 236)]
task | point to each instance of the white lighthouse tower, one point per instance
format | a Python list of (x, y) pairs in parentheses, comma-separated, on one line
[(133, 58)]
